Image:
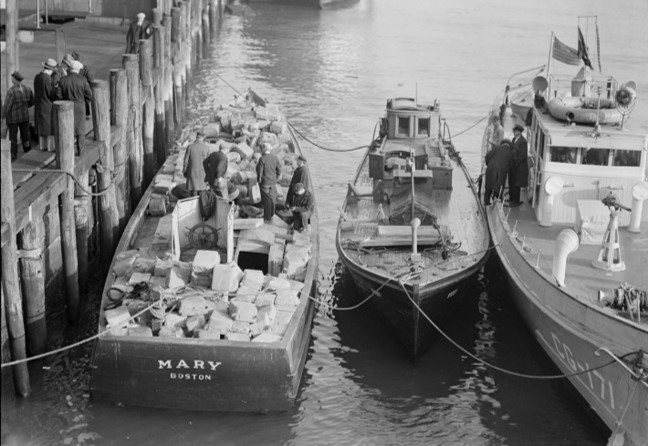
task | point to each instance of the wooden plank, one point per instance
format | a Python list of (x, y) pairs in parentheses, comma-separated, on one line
[(44, 188), (34, 160), (399, 241), (406, 230)]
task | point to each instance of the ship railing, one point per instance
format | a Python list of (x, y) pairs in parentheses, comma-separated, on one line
[(561, 84)]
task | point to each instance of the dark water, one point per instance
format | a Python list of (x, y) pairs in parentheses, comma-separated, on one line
[(331, 72)]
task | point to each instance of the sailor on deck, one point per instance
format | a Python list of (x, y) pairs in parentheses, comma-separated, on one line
[(302, 206), (268, 173)]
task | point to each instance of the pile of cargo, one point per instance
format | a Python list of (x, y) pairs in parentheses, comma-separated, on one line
[(235, 305)]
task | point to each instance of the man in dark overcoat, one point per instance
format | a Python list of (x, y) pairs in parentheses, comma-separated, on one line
[(139, 29), (302, 205), (215, 168), (519, 170), (498, 161), (301, 175), (197, 152), (75, 88), (44, 92), (89, 76), (268, 171)]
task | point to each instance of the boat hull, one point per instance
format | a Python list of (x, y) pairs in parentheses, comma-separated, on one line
[(571, 333), (438, 300), (203, 375)]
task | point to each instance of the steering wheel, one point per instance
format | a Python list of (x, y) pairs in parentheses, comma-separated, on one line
[(203, 236)]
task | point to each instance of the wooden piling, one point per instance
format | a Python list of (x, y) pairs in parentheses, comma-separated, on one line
[(33, 284), (119, 118), (11, 63), (133, 133), (148, 116), (64, 138), (60, 44), (167, 82), (82, 214), (109, 222), (10, 284)]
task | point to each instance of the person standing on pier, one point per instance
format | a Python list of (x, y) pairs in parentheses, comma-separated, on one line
[(139, 29), (85, 72), (268, 171), (519, 170), (193, 169), (16, 111), (301, 175), (75, 88), (44, 91)]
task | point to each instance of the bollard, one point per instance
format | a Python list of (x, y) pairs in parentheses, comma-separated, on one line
[(13, 302), (33, 285), (133, 132), (119, 118), (64, 138)]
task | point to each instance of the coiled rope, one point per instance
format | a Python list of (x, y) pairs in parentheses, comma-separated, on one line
[(81, 186)]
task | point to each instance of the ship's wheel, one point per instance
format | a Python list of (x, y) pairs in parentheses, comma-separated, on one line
[(203, 236)]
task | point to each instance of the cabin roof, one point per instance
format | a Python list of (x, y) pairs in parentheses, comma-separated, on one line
[(578, 135)]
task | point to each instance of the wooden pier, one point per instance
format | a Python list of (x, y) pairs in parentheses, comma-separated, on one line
[(52, 202)]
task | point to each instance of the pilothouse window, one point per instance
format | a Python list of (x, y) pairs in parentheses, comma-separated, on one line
[(631, 158), (403, 126), (597, 157), (424, 126)]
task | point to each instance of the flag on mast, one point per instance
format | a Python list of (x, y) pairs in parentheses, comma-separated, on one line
[(564, 53), (582, 49)]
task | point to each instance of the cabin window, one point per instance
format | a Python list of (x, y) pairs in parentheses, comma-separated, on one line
[(564, 155), (631, 158), (596, 157), (541, 143), (424, 126), (403, 126)]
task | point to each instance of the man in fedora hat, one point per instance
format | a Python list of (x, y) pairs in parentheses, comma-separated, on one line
[(519, 169), (268, 171), (196, 154), (301, 175), (75, 88), (87, 74), (44, 93), (139, 29), (16, 111)]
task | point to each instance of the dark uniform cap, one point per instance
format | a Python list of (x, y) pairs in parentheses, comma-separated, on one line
[(518, 127)]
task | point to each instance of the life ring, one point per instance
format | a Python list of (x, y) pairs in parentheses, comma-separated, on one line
[(584, 110)]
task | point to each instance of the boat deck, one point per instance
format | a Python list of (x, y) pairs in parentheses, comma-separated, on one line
[(583, 280), (457, 211)]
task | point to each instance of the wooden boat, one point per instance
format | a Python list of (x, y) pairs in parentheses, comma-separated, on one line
[(185, 330), (574, 252), (413, 229)]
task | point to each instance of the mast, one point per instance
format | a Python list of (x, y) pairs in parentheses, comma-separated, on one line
[(551, 46)]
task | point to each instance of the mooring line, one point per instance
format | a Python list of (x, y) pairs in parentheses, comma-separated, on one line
[(495, 367), (81, 186)]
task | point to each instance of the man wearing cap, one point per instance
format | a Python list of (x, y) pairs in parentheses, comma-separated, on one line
[(16, 111), (193, 169), (519, 169), (139, 29), (268, 171), (44, 92), (301, 175), (75, 88), (215, 168), (301, 204)]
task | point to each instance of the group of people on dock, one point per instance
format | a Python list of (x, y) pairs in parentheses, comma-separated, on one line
[(506, 161), (68, 81), (205, 168)]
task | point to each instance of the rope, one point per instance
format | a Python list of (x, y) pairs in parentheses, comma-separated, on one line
[(495, 367), (81, 186), (469, 128), (325, 148), (76, 344)]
